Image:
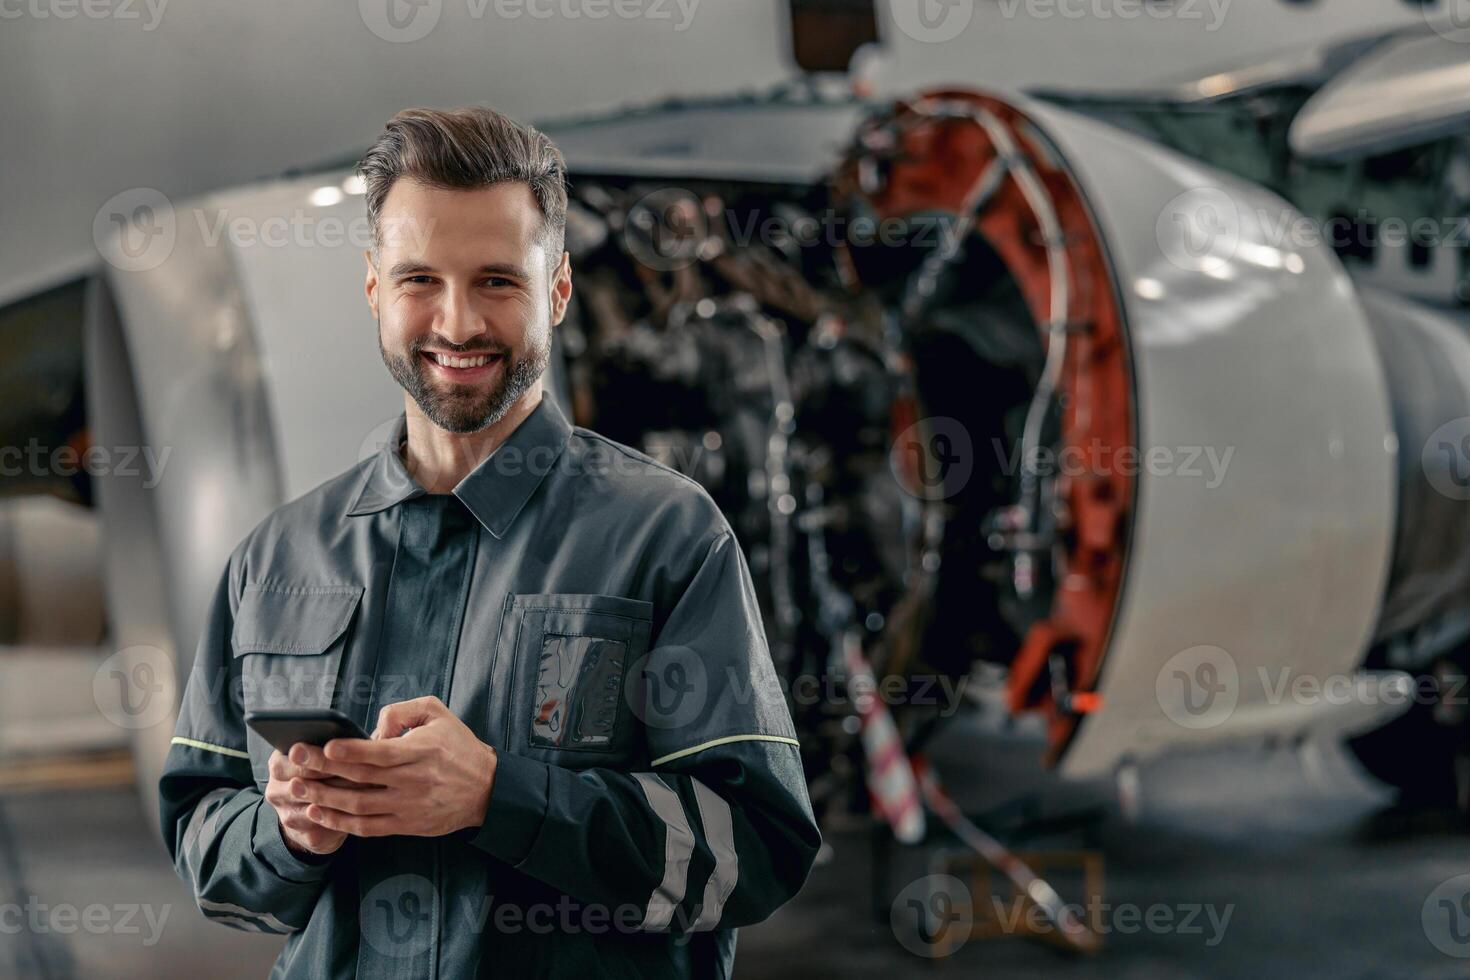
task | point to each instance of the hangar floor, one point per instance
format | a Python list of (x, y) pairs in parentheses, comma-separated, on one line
[(1321, 880)]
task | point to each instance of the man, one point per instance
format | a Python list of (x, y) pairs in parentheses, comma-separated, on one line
[(581, 763)]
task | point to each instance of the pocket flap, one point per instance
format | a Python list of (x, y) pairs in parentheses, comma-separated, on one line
[(295, 620), (606, 605)]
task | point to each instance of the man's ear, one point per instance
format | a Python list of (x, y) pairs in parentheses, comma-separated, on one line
[(370, 286), (561, 289)]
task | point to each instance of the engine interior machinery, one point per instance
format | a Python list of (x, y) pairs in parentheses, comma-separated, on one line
[(874, 358)]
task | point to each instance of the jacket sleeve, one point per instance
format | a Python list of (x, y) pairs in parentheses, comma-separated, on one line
[(222, 835), (719, 831)]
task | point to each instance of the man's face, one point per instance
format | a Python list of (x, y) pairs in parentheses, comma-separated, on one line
[(465, 295)]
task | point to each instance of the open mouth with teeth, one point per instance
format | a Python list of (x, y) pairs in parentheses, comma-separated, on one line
[(462, 368)]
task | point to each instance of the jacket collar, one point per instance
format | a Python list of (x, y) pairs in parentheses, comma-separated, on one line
[(496, 490)]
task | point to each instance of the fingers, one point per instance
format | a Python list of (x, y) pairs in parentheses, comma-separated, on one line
[(285, 768), (370, 752), (395, 719), (359, 802), (359, 773), (358, 826)]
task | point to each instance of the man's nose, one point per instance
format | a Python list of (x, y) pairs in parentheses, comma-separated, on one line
[(458, 320)]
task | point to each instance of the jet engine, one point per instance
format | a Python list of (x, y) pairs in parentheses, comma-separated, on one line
[(995, 384)]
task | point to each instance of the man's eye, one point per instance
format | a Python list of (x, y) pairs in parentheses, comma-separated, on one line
[(418, 280), (499, 282)]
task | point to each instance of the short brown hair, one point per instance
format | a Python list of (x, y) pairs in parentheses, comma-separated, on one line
[(466, 149)]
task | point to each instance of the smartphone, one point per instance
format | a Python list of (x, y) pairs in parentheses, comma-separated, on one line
[(284, 727)]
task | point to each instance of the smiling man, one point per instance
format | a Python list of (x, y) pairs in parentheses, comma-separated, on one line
[(581, 763)]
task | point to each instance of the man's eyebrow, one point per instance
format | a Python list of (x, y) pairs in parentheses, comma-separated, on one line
[(502, 269), (409, 267)]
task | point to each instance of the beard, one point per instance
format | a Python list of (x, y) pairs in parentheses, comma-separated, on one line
[(461, 407)]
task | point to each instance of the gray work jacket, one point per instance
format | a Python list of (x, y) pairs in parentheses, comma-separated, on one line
[(604, 637)]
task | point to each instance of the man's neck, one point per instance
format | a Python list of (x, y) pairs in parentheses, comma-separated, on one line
[(438, 459)]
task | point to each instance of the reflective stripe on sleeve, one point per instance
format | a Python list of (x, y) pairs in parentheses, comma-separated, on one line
[(678, 848), (719, 831), (243, 918), (194, 743)]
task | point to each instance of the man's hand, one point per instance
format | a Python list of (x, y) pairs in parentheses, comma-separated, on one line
[(298, 830), (426, 775)]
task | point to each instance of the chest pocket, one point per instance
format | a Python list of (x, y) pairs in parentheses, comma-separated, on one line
[(572, 654), (288, 645)]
